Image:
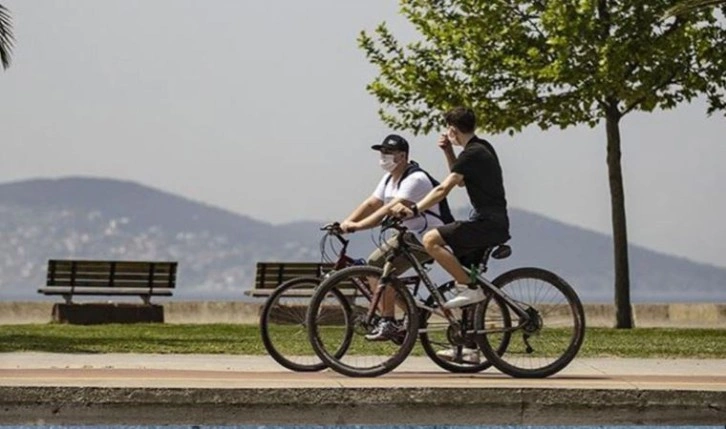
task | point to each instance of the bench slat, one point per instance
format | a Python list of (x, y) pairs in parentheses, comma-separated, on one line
[(288, 273), (101, 276), (108, 272), (293, 264), (62, 290), (269, 279), (101, 283), (104, 267)]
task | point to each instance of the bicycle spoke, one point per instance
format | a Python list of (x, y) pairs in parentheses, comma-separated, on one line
[(548, 339), (366, 353)]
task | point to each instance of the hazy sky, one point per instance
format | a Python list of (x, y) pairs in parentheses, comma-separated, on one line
[(260, 107)]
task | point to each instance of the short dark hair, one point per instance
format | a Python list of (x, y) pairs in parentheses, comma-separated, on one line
[(462, 118)]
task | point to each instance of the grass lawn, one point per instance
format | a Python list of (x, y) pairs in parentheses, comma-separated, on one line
[(245, 339)]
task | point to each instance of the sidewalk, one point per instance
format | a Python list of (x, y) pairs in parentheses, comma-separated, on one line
[(224, 389), (229, 371)]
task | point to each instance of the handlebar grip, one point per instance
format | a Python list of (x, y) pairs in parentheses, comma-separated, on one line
[(331, 226), (389, 221)]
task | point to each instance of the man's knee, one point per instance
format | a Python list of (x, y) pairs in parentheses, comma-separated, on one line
[(432, 239)]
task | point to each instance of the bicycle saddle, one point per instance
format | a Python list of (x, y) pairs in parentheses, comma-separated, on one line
[(502, 251), (480, 256)]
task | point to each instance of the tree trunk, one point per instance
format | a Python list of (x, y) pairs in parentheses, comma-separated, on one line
[(623, 310)]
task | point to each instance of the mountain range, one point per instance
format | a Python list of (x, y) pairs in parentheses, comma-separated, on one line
[(95, 218)]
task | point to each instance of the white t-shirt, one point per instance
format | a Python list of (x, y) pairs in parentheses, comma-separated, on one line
[(413, 188)]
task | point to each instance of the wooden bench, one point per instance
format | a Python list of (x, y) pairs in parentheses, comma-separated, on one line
[(269, 275), (122, 278)]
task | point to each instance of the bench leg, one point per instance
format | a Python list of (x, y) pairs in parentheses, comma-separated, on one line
[(146, 299), (68, 298)]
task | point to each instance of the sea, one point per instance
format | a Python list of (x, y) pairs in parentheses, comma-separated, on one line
[(343, 427)]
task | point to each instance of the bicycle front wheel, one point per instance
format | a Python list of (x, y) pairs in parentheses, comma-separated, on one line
[(544, 342), (283, 324), (373, 349)]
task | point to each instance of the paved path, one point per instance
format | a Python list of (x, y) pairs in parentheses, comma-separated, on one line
[(223, 371), (254, 389)]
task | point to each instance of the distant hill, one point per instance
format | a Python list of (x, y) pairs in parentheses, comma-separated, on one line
[(217, 249)]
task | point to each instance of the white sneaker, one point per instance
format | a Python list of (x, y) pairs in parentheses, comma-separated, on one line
[(470, 356), (466, 296)]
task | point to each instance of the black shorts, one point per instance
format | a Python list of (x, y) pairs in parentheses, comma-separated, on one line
[(465, 237)]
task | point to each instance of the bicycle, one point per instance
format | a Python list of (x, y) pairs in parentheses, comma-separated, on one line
[(282, 317), (283, 322), (516, 332)]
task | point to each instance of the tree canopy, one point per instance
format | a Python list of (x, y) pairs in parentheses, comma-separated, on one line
[(554, 63), (6, 37)]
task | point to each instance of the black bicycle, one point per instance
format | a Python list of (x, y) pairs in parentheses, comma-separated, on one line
[(283, 324), (531, 323)]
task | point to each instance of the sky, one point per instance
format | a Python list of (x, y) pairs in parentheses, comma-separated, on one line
[(261, 108)]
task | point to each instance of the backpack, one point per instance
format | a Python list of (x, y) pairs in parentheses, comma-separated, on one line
[(444, 215)]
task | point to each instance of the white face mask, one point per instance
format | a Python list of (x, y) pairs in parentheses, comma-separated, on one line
[(387, 163)]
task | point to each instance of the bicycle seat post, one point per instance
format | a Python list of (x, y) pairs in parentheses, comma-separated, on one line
[(482, 266)]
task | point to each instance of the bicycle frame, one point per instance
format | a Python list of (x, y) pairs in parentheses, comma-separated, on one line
[(344, 261), (404, 248)]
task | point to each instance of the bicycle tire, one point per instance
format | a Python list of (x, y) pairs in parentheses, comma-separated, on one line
[(432, 345), (278, 341), (347, 364), (542, 331)]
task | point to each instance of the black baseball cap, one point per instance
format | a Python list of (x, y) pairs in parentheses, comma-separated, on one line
[(392, 142)]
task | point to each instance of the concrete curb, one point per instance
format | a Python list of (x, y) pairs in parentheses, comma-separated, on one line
[(517, 406)]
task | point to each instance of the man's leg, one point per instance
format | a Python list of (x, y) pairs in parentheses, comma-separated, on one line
[(388, 300), (378, 259), (434, 244), (387, 329)]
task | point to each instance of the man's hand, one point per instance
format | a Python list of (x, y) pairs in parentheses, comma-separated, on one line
[(444, 142), (348, 226), (401, 211), (451, 135)]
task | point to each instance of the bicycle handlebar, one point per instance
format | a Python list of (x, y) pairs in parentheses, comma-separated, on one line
[(331, 227), (334, 230), (393, 222)]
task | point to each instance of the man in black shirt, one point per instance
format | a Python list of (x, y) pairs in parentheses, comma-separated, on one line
[(477, 167)]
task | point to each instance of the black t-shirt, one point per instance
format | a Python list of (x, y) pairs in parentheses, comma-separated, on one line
[(479, 165)]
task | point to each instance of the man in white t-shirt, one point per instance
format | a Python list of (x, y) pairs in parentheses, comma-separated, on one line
[(392, 189)]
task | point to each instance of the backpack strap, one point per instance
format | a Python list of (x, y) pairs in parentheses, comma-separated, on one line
[(444, 214), (410, 168)]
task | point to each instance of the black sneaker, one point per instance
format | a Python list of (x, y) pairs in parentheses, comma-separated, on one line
[(387, 330)]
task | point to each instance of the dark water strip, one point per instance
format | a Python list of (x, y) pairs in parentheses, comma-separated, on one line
[(344, 427)]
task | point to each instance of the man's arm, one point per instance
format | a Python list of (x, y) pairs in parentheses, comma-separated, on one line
[(450, 157), (432, 198), (374, 219), (367, 207), (445, 145)]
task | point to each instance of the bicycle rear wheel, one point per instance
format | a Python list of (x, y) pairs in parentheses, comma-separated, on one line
[(437, 335), (364, 357), (283, 324), (546, 341)]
